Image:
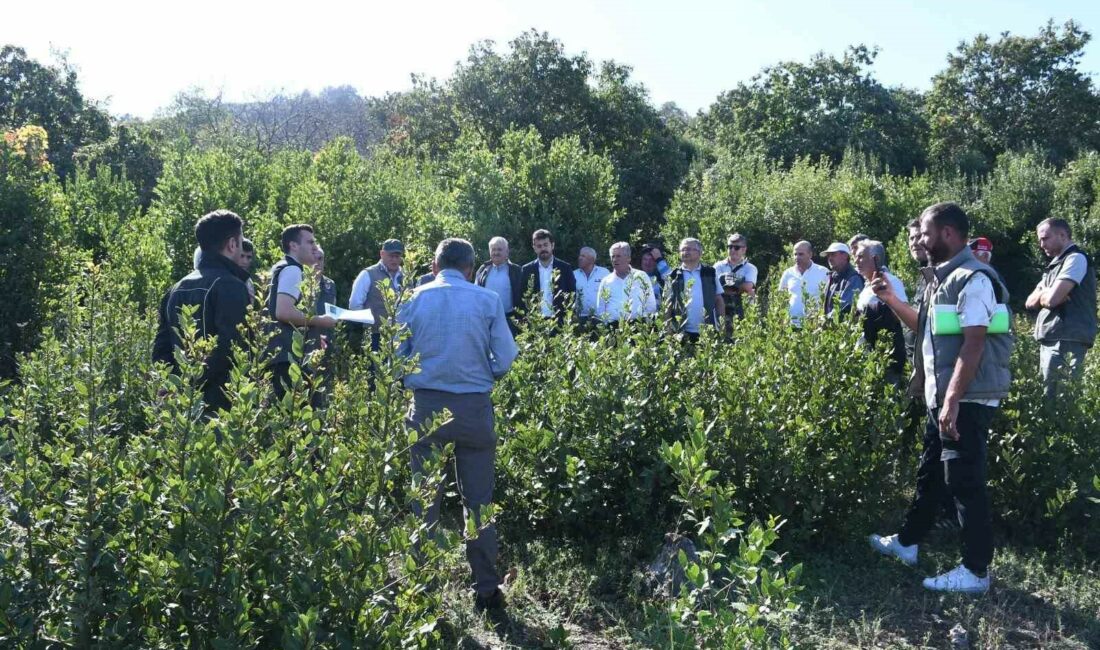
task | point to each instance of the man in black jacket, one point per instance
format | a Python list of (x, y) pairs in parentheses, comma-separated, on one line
[(217, 289), (553, 294), (505, 278)]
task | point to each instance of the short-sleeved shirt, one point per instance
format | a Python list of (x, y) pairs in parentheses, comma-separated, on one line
[(809, 285), (977, 302), (1073, 268), (867, 297), (746, 271), (290, 281), (630, 297), (588, 289)]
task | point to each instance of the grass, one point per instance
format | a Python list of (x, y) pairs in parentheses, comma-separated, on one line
[(583, 596)]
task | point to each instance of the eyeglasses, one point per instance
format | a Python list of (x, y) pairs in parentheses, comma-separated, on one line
[(736, 247)]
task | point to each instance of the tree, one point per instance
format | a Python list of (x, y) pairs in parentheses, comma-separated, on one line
[(49, 97), (816, 110), (1013, 93), (536, 84)]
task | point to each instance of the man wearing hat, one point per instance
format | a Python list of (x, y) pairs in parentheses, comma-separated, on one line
[(366, 290), (982, 249), (844, 282)]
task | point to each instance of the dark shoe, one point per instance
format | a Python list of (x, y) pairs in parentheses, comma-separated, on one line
[(492, 602)]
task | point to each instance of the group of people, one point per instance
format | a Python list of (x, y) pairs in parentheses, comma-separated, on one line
[(460, 321)]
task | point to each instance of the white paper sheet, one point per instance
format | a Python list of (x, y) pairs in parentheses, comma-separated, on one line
[(351, 315)]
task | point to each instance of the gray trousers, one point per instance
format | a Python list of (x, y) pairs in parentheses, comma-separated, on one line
[(1058, 360), (470, 428)]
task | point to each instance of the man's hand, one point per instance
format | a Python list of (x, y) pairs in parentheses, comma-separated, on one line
[(656, 254), (324, 322), (1034, 301), (949, 414), (882, 287)]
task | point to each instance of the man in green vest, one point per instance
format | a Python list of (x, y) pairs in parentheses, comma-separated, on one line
[(966, 375)]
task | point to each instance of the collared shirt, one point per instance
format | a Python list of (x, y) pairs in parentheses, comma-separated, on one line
[(499, 280), (588, 289), (461, 334), (977, 301), (867, 297), (693, 281), (746, 271), (546, 283), (802, 286), (630, 297), (361, 287)]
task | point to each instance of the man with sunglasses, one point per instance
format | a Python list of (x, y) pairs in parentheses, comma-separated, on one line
[(736, 275)]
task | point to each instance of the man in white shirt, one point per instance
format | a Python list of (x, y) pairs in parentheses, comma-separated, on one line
[(588, 277), (625, 294), (805, 281)]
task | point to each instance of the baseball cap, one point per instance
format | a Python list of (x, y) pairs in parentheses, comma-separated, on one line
[(393, 246), (837, 247), (981, 244)]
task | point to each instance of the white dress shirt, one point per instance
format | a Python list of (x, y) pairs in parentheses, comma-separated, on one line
[(630, 297), (802, 287), (588, 289)]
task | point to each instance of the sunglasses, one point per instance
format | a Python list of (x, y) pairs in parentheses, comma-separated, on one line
[(736, 247)]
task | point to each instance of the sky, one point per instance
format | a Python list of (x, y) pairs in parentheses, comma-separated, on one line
[(134, 57)]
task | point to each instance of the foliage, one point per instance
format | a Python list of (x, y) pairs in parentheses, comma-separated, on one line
[(818, 110), (49, 97), (1012, 93)]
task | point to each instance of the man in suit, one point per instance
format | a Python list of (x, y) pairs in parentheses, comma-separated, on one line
[(550, 278), (504, 278)]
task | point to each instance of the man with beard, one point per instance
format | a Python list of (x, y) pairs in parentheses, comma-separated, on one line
[(549, 278), (966, 375)]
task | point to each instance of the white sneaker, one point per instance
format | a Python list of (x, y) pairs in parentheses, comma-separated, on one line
[(959, 579), (891, 546)]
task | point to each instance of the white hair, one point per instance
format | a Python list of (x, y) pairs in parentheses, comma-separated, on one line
[(498, 240), (588, 250), (691, 240), (617, 245)]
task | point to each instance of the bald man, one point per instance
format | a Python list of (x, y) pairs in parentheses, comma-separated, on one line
[(805, 281)]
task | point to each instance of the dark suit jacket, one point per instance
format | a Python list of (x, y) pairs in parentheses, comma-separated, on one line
[(564, 288), (515, 275)]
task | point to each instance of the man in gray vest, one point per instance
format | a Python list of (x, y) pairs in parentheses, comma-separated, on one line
[(1066, 301), (695, 295), (366, 291), (966, 375), (460, 333)]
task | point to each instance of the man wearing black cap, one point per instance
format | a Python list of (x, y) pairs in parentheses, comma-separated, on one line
[(366, 291)]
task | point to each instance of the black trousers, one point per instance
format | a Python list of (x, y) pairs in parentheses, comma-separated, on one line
[(955, 468)]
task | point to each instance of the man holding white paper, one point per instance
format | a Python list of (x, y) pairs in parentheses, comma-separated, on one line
[(287, 276), (966, 375)]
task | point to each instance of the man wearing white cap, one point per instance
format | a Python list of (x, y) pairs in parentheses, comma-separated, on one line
[(844, 282)]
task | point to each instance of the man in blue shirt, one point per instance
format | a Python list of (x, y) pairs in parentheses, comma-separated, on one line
[(461, 335)]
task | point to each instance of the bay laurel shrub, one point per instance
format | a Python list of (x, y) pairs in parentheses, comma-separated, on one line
[(131, 520), (803, 426)]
